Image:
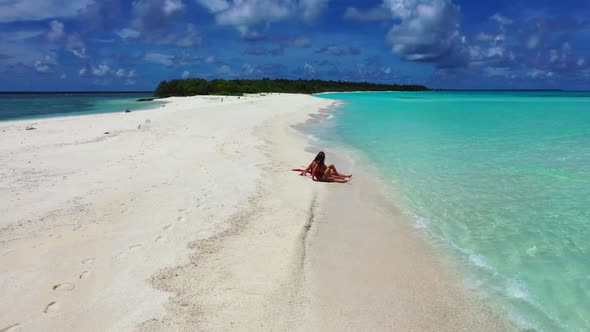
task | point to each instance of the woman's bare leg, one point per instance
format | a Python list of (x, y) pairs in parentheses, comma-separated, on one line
[(329, 176), (339, 180), (335, 172)]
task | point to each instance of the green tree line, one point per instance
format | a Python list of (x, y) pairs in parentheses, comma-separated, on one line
[(197, 86)]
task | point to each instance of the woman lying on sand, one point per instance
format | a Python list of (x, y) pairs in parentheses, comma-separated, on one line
[(320, 172)]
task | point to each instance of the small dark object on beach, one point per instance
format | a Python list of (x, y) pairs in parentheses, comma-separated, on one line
[(30, 128), (127, 110), (145, 99), (139, 126), (106, 133)]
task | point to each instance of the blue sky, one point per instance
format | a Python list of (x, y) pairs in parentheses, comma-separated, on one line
[(132, 45)]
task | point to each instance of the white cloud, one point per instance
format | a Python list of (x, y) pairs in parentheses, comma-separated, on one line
[(225, 70), (104, 71), (154, 15), (186, 74), (246, 13), (497, 71), (73, 42), (210, 59), (247, 69), (189, 38), (42, 68), (581, 62), (427, 31), (101, 70), (63, 76), (80, 53), (533, 41), (378, 13), (495, 51), (172, 6), (336, 50), (56, 31), (566, 50), (214, 6), (484, 37), (503, 20), (20, 35), (153, 23), (127, 33), (309, 71), (37, 10), (243, 14), (163, 59), (538, 73), (76, 45), (311, 9), (45, 64), (300, 41), (553, 56)]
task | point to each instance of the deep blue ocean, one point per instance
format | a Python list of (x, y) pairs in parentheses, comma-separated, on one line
[(15, 106), (499, 180)]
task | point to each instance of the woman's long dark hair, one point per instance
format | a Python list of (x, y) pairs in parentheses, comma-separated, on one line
[(320, 158)]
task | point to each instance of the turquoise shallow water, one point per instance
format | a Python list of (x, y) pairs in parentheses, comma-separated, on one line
[(34, 105), (501, 179)]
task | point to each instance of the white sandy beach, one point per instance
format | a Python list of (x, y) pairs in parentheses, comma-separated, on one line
[(188, 217)]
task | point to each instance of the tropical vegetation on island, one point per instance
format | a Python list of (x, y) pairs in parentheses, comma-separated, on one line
[(197, 86)]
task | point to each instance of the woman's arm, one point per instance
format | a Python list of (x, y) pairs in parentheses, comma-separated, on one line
[(309, 168), (313, 172)]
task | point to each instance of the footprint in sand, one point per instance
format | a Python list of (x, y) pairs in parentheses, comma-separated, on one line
[(6, 254), (84, 274), (167, 227), (88, 261), (65, 287), (51, 307), (159, 238), (10, 328), (181, 219), (135, 246)]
